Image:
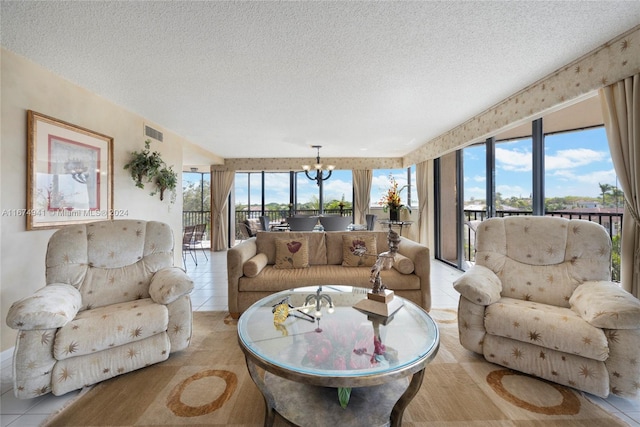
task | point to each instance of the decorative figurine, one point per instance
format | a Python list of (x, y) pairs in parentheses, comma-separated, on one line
[(380, 300)]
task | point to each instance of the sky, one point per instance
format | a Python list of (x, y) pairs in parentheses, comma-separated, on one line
[(575, 162)]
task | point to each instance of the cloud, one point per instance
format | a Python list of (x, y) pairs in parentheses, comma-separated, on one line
[(592, 177), (573, 158), (516, 160), (475, 192), (507, 191)]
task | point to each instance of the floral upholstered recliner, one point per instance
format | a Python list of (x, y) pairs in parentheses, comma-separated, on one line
[(113, 303), (539, 300)]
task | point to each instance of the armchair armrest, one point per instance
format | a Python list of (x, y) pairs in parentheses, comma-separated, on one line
[(419, 255), (605, 305), (236, 257), (479, 285), (50, 307), (168, 284)]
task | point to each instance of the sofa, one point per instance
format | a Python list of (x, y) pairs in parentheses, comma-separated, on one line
[(539, 300), (112, 303), (265, 264)]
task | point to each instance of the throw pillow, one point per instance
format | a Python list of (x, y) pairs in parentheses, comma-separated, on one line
[(292, 253), (351, 242), (403, 264), (254, 266)]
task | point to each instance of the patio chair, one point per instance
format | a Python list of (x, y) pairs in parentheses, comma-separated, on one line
[(198, 237), (187, 238)]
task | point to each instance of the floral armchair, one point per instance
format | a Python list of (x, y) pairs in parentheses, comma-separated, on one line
[(113, 303), (539, 300)]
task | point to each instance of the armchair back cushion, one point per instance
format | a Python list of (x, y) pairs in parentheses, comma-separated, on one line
[(105, 270), (564, 253)]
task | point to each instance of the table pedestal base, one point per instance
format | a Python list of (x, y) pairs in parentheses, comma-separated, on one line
[(313, 406)]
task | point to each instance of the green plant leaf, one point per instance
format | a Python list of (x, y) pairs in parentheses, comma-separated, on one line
[(344, 393)]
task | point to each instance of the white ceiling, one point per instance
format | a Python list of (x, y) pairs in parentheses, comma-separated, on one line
[(269, 79)]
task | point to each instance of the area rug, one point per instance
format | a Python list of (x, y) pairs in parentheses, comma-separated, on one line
[(208, 385)]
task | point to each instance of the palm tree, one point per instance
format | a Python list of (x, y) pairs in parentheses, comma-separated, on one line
[(617, 195), (604, 189)]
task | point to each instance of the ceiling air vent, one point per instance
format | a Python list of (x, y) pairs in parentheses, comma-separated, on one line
[(153, 133)]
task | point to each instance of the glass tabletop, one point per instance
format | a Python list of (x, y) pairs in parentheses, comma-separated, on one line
[(343, 341)]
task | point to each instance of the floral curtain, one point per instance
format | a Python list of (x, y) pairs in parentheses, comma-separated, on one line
[(621, 113), (362, 180), (221, 182)]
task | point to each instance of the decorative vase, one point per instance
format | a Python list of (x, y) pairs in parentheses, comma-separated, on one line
[(394, 214)]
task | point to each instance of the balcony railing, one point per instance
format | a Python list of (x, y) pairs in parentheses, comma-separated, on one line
[(195, 217), (278, 216)]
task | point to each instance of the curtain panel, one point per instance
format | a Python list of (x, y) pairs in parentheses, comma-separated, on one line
[(221, 183), (422, 187), (621, 113), (362, 180)]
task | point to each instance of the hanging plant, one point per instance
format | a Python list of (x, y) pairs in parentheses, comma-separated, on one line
[(148, 166), (144, 165), (166, 179)]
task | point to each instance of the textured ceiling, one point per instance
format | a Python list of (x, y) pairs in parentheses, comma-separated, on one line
[(269, 79)]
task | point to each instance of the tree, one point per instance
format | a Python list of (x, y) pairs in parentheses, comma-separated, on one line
[(615, 258), (618, 196), (604, 190), (194, 198)]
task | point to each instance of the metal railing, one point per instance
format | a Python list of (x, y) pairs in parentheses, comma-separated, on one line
[(195, 217), (278, 216)]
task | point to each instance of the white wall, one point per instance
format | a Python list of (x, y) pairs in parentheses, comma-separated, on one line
[(27, 86)]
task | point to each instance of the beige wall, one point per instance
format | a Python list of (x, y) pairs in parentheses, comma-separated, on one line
[(27, 86)]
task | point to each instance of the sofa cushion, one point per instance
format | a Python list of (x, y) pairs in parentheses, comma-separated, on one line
[(272, 279), (110, 326), (353, 241), (265, 243), (547, 326), (403, 264), (292, 253), (547, 284), (254, 266)]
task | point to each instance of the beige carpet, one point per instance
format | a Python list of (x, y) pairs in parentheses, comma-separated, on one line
[(208, 385)]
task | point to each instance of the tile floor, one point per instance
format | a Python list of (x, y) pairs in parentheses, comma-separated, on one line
[(210, 293)]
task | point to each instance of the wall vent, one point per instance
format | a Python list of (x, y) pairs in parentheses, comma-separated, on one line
[(153, 133)]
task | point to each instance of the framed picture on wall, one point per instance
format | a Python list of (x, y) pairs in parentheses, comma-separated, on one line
[(69, 173)]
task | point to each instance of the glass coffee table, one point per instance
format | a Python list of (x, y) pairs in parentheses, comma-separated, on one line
[(299, 364)]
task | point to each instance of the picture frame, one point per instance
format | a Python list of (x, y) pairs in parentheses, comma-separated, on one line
[(69, 173)]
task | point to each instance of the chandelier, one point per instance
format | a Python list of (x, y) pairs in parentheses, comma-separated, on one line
[(320, 176)]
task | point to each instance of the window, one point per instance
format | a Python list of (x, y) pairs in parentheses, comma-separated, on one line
[(579, 173), (196, 198), (404, 177), (514, 177)]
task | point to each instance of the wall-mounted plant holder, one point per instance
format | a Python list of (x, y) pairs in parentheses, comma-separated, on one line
[(147, 166)]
